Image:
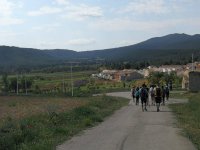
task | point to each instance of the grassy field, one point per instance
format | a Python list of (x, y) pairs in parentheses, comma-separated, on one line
[(37, 127), (189, 116), (16, 107)]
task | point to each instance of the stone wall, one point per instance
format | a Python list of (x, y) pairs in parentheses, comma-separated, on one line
[(194, 81)]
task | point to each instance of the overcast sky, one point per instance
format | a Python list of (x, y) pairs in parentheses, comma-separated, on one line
[(93, 24)]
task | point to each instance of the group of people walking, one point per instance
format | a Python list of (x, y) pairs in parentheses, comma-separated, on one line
[(156, 94)]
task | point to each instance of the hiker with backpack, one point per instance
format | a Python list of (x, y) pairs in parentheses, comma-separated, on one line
[(163, 95), (144, 97), (133, 93), (167, 92), (158, 97), (137, 95)]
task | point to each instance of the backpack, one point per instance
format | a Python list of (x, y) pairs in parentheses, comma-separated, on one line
[(167, 90), (143, 93), (152, 92), (158, 92), (137, 93)]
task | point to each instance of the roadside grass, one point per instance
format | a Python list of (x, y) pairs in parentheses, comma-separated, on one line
[(181, 94), (46, 131), (188, 116)]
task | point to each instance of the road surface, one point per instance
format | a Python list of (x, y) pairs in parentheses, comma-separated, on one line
[(131, 129)]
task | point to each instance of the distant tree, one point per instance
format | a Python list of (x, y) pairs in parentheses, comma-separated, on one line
[(155, 78), (5, 83), (13, 84), (127, 65), (37, 89), (26, 83)]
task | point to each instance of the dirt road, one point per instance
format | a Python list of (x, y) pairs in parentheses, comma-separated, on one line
[(132, 129)]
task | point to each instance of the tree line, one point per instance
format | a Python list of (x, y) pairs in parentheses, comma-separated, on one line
[(16, 84)]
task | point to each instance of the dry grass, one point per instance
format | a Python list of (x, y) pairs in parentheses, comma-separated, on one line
[(20, 107)]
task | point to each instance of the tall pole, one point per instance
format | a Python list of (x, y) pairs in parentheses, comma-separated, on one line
[(26, 85), (72, 82), (63, 83), (17, 84), (192, 62)]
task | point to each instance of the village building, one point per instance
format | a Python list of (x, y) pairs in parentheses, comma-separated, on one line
[(119, 75), (194, 81), (193, 66), (128, 75), (149, 70), (172, 68), (185, 80), (179, 69)]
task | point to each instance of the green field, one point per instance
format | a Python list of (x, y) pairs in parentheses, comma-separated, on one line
[(61, 83)]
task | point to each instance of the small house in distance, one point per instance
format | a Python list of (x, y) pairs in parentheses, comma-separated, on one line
[(128, 75)]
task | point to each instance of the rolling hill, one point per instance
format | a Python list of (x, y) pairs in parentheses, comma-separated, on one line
[(158, 49)]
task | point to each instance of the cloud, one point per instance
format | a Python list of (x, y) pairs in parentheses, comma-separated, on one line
[(126, 24), (6, 8), (70, 11), (8, 33), (80, 42), (10, 21), (45, 11), (147, 6), (83, 11), (62, 2), (6, 11), (47, 27)]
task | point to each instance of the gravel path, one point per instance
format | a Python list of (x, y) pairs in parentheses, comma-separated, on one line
[(131, 129)]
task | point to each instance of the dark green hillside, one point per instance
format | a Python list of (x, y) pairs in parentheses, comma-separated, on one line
[(14, 56), (172, 46), (172, 41), (169, 49), (62, 54)]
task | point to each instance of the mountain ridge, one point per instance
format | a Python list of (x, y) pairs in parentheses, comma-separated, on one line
[(153, 49)]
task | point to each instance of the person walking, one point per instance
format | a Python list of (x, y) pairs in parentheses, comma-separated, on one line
[(152, 94), (144, 96), (163, 95), (167, 92), (137, 95), (158, 97), (133, 93)]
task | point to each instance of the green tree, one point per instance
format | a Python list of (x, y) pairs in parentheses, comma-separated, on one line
[(5, 83), (13, 84), (156, 78), (26, 83)]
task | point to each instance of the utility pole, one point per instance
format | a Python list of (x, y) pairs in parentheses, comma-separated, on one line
[(26, 85), (17, 84), (63, 83), (72, 82), (192, 62)]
